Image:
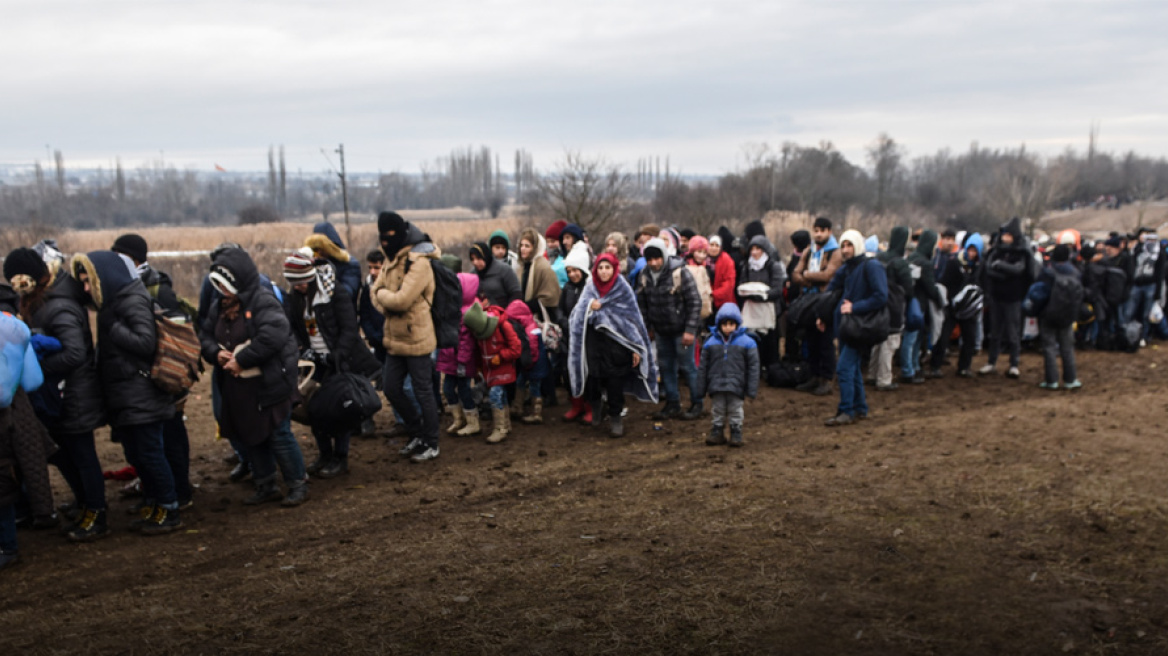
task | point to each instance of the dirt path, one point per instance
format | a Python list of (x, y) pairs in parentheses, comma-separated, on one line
[(972, 517)]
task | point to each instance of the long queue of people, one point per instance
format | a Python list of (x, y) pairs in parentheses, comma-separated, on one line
[(632, 315)]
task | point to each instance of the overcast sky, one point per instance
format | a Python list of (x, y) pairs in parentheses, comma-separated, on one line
[(201, 83)]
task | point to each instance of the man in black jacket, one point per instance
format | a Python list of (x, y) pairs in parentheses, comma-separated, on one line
[(671, 306), (1007, 273), (137, 408)]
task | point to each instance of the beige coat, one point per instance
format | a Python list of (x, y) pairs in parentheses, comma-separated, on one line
[(404, 299)]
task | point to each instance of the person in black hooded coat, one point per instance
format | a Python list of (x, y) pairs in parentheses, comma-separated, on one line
[(127, 339), (1008, 274), (246, 332), (71, 411)]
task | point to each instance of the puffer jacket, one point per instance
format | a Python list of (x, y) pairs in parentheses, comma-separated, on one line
[(772, 273), (920, 265), (518, 311), (64, 317), (504, 342), (273, 348), (126, 340), (724, 280), (325, 240), (337, 321), (466, 355), (729, 365), (405, 298), (669, 311), (498, 283), (1007, 267)]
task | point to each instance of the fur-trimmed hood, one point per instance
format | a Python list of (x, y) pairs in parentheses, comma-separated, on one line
[(108, 272), (325, 241)]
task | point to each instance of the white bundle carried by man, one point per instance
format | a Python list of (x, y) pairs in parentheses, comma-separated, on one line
[(758, 313)]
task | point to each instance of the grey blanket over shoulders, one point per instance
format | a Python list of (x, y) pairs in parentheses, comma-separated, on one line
[(621, 319)]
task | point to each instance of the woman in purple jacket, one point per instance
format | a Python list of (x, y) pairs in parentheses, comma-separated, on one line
[(458, 366)]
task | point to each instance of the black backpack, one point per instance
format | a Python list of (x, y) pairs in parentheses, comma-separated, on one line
[(1114, 286), (343, 401), (526, 358), (896, 302), (446, 309), (1066, 295), (787, 374), (811, 306)]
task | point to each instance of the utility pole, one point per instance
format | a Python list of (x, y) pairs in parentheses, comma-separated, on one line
[(345, 197)]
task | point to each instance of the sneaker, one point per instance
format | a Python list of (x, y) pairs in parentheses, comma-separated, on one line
[(90, 527), (824, 388), (918, 379), (842, 419), (411, 447), (240, 472), (1048, 386), (716, 436), (8, 559), (809, 385), (427, 453), (296, 496), (965, 373), (890, 387), (934, 373), (1013, 372), (986, 370), (71, 511), (398, 430), (163, 521), (145, 512), (1073, 385), (186, 504), (671, 410), (1143, 343), (316, 465), (338, 466), (736, 436)]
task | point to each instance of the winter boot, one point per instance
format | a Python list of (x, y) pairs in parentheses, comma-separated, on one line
[(616, 427), (587, 415), (735, 435), (517, 402), (694, 412), (716, 437), (337, 467), (810, 384), (265, 491), (459, 418), (297, 494), (241, 471), (578, 408), (536, 416), (500, 431), (671, 410), (315, 466), (163, 521), (823, 389), (472, 424), (90, 526)]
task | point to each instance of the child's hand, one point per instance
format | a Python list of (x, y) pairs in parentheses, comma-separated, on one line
[(636, 359), (595, 305), (495, 361)]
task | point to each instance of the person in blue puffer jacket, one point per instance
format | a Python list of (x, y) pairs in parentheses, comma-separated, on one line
[(729, 373)]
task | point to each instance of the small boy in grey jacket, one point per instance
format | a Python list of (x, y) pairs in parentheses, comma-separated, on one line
[(729, 373)]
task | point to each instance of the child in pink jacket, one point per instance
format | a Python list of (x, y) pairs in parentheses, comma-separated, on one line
[(460, 365)]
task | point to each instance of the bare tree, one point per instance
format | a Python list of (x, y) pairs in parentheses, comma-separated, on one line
[(589, 192), (884, 156)]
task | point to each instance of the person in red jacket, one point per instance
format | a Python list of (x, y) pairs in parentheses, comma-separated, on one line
[(499, 348), (724, 276)]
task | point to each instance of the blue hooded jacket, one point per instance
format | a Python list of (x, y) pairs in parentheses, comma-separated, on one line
[(18, 362), (729, 365)]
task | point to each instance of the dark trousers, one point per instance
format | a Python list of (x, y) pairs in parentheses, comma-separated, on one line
[(331, 442), (420, 369), (968, 342), (77, 461), (1005, 328), (614, 386), (821, 353), (144, 449), (768, 347), (176, 445), (457, 390)]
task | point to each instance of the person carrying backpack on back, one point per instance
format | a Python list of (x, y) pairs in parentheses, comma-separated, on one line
[(1056, 319), (900, 288), (964, 307), (500, 347)]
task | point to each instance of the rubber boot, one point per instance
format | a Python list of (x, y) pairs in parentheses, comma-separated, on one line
[(472, 426), (517, 402), (536, 416), (586, 416), (459, 418), (500, 431), (578, 409)]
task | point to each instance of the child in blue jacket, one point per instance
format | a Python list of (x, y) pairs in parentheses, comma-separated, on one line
[(729, 373), (18, 370)]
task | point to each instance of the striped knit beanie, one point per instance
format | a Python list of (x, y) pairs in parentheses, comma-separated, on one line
[(299, 268)]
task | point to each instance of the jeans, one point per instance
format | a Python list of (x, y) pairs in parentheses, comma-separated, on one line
[(457, 390), (77, 461), (498, 397), (422, 420), (726, 406), (851, 383), (1005, 326), (910, 353), (670, 356), (144, 449), (288, 455), (8, 529), (1138, 306), (1057, 342), (176, 444), (881, 362)]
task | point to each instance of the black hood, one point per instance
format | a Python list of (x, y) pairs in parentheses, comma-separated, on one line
[(1014, 227), (898, 240), (240, 264)]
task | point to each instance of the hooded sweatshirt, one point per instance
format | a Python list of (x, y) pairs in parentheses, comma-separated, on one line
[(897, 267)]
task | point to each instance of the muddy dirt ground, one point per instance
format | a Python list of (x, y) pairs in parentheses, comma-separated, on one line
[(965, 517)]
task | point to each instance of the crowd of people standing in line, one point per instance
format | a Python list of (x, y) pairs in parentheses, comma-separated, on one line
[(602, 319)]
